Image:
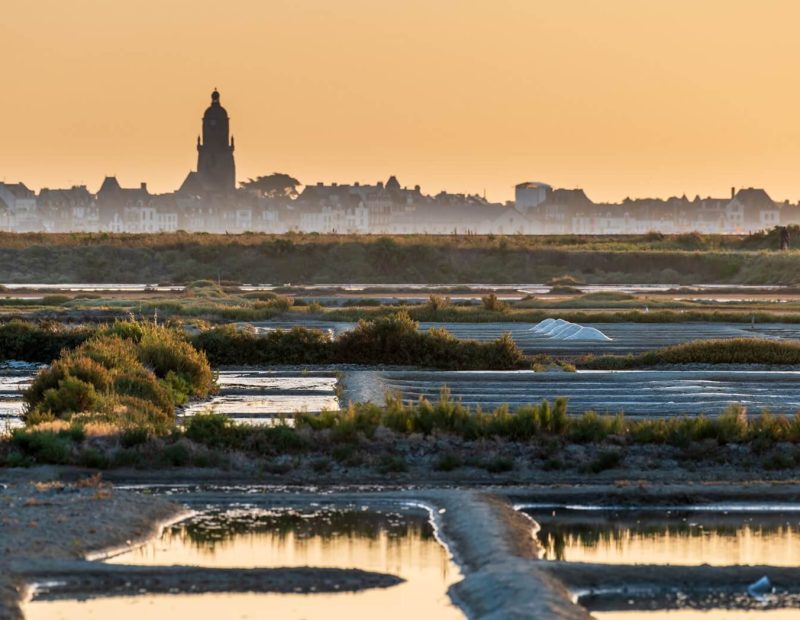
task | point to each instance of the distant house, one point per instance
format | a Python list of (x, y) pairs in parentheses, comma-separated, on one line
[(72, 209), (530, 194), (21, 205), (751, 209), (125, 209)]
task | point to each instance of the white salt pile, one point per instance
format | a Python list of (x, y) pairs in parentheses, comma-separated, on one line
[(558, 329)]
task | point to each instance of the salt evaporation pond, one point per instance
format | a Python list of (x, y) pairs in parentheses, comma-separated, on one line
[(14, 378), (624, 337), (689, 536), (398, 541), (636, 393), (669, 536), (262, 396)]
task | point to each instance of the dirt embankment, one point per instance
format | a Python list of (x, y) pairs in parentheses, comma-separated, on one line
[(58, 521)]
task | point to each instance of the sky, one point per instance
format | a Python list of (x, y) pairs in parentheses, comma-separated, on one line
[(618, 97)]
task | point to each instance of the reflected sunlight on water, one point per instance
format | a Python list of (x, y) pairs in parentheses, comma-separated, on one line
[(399, 543), (676, 538)]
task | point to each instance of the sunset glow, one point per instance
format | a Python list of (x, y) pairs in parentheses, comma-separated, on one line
[(620, 97)]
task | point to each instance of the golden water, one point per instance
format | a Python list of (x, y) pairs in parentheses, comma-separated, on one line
[(678, 538), (402, 545)]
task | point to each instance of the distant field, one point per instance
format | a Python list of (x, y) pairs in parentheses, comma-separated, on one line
[(296, 258)]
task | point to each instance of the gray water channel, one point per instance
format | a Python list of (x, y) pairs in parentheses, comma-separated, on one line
[(397, 540)]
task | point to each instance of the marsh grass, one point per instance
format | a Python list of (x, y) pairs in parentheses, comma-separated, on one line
[(717, 351)]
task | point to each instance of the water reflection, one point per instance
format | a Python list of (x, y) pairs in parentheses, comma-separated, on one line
[(396, 542), (697, 614), (690, 538)]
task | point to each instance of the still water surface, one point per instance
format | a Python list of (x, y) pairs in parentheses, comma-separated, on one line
[(399, 542), (669, 537)]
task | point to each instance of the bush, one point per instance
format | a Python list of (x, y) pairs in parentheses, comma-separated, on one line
[(608, 459), (130, 374), (45, 447), (730, 351), (212, 429), (395, 339), (493, 304), (392, 465), (37, 342), (448, 462), (228, 345), (498, 465)]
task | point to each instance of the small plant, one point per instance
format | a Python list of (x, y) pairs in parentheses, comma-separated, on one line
[(392, 464), (498, 465), (607, 459), (321, 465), (492, 303), (567, 366), (448, 462)]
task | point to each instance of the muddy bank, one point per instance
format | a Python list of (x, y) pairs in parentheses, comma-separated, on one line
[(67, 521), (88, 579)]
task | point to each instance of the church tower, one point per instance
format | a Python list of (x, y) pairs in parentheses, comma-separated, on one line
[(216, 170)]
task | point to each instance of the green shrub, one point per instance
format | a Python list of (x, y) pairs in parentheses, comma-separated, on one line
[(132, 437), (44, 447), (92, 457), (493, 304), (38, 342), (395, 339), (129, 374), (392, 465), (228, 345), (212, 429), (608, 459), (448, 462), (498, 465), (730, 351)]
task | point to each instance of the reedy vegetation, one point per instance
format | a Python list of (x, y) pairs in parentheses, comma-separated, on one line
[(353, 437), (182, 257)]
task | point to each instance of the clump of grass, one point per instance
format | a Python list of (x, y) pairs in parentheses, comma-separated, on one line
[(492, 303), (392, 464), (448, 461), (608, 459)]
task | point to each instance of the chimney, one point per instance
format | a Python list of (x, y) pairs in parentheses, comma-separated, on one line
[(143, 186), (733, 193)]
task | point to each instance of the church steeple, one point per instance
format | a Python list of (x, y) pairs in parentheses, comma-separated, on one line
[(216, 169)]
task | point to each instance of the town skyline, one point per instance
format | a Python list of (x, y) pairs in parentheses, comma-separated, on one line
[(620, 98)]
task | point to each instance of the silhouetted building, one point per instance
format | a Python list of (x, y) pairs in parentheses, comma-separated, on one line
[(216, 171)]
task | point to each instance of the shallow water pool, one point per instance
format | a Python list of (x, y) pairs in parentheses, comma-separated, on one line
[(669, 536), (400, 542)]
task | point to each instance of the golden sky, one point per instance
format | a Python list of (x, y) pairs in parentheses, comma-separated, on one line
[(620, 97)]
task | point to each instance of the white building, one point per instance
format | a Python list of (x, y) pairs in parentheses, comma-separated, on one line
[(530, 194), (21, 207)]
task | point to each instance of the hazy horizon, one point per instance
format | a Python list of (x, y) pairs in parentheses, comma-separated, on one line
[(620, 98)]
